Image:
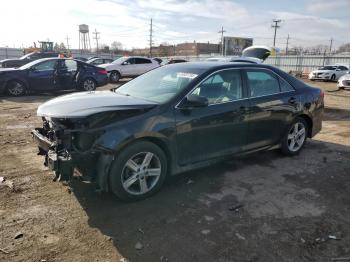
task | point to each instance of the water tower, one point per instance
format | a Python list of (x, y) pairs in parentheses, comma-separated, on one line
[(84, 38)]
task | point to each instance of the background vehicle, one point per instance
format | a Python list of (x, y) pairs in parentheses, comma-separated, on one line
[(51, 74), (99, 61), (330, 73), (176, 118), (31, 54), (129, 67), (175, 61), (344, 81)]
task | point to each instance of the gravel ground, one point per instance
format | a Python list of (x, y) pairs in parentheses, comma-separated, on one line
[(264, 207)]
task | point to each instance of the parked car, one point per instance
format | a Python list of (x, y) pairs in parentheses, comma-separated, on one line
[(344, 81), (99, 61), (17, 62), (129, 67), (173, 119), (51, 74), (251, 60), (328, 73), (83, 59), (176, 60)]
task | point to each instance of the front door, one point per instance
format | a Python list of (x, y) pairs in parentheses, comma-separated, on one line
[(128, 67), (66, 74), (215, 130), (272, 105), (41, 75)]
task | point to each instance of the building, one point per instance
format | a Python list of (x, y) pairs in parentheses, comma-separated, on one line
[(157, 51)]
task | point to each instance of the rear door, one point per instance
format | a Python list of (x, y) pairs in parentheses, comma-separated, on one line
[(272, 104), (143, 65), (41, 75), (66, 73), (215, 130)]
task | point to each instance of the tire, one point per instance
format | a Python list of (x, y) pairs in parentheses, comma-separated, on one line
[(114, 77), (289, 145), (333, 78), (16, 88), (130, 177), (88, 84)]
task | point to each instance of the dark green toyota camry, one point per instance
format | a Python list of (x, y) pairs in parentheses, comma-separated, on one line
[(173, 119)]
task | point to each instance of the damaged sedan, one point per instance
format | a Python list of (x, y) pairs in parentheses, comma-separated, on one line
[(174, 119)]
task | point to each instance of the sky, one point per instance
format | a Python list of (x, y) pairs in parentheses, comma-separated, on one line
[(308, 22)]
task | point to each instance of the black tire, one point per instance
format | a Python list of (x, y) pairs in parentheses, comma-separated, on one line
[(286, 145), (333, 78), (120, 172), (16, 88), (114, 77), (88, 84)]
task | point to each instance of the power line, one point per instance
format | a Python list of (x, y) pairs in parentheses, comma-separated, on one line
[(96, 37), (67, 39), (275, 26), (287, 44), (222, 31)]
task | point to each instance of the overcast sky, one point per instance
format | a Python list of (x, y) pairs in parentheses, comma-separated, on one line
[(308, 22)]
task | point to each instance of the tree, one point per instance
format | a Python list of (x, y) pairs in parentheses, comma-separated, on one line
[(116, 46), (56, 47), (62, 47)]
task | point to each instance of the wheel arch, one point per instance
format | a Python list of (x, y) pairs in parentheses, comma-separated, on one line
[(309, 123)]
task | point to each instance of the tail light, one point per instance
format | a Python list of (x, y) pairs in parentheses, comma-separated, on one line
[(102, 71)]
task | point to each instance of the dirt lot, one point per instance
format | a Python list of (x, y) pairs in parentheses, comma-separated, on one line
[(286, 207)]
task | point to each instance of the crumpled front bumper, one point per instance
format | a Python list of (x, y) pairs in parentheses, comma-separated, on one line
[(58, 161)]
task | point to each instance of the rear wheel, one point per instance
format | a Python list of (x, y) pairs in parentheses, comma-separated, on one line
[(16, 88), (89, 85), (114, 77), (295, 137), (138, 172)]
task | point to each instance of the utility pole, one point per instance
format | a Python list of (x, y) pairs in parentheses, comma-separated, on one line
[(96, 37), (67, 39), (330, 46), (222, 31), (287, 44), (150, 38), (276, 21)]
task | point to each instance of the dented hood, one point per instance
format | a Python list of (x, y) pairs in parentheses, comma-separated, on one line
[(83, 104)]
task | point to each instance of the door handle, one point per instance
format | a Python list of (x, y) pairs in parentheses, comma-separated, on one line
[(292, 100)]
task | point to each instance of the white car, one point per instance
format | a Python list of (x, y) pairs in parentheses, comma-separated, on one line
[(129, 67), (328, 73), (344, 81)]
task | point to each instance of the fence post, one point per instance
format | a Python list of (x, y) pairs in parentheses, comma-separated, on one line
[(6, 54)]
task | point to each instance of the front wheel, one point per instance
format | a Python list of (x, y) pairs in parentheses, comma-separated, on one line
[(16, 88), (333, 78), (138, 172), (295, 137), (114, 77)]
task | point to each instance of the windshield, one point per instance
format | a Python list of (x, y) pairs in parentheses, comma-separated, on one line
[(25, 56), (30, 64), (119, 60), (328, 68), (161, 84)]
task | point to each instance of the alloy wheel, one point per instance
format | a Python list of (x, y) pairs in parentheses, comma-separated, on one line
[(141, 173), (89, 85), (296, 137), (115, 77), (16, 88)]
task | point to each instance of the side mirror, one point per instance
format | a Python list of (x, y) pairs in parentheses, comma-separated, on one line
[(195, 101), (338, 69), (125, 63)]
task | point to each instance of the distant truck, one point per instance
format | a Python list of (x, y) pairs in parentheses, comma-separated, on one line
[(45, 51)]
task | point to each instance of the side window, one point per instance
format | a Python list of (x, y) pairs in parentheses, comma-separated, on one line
[(129, 61), (285, 86), (70, 65), (142, 61), (343, 68), (44, 66), (221, 87), (262, 83)]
